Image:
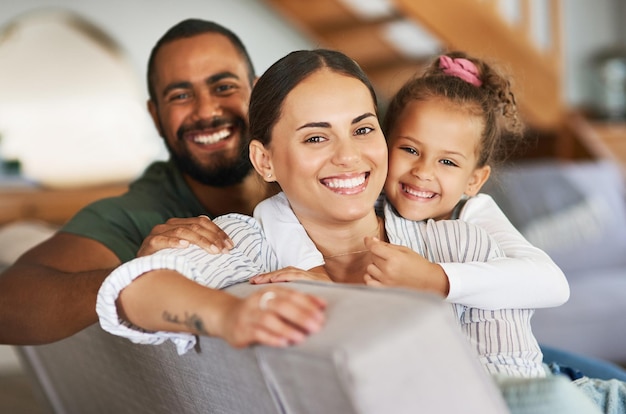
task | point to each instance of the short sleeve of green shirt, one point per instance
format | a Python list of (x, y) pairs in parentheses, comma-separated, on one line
[(122, 223)]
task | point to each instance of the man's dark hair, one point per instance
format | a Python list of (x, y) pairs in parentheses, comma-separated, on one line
[(193, 27)]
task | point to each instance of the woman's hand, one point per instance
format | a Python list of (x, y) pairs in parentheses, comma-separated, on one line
[(274, 316), (394, 265), (292, 273), (180, 232)]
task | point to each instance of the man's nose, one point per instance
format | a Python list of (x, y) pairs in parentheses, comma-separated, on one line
[(207, 106)]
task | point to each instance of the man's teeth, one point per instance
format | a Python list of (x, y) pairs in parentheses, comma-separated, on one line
[(212, 138), (345, 183), (422, 194)]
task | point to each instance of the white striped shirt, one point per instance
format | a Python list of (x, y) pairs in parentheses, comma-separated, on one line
[(251, 256), (502, 338)]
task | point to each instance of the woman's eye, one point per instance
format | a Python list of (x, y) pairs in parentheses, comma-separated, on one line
[(363, 130), (315, 139)]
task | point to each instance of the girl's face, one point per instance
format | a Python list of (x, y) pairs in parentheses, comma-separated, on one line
[(433, 150), (328, 152)]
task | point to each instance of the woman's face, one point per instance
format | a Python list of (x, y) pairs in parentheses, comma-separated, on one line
[(328, 152)]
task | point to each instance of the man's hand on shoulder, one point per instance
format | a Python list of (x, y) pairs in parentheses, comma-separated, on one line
[(181, 232)]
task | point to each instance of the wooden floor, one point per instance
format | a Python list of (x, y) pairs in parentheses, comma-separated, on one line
[(16, 395)]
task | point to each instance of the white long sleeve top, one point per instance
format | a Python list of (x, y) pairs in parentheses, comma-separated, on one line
[(526, 278)]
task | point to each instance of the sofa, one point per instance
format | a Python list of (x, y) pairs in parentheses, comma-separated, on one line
[(576, 212), (381, 351)]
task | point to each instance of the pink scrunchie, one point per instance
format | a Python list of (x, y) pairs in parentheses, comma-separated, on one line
[(461, 68)]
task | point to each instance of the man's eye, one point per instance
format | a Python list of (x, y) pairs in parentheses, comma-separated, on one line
[(224, 88), (363, 130), (178, 96)]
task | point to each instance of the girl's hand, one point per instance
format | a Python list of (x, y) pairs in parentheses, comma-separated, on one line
[(400, 266), (180, 232), (292, 273), (274, 316)]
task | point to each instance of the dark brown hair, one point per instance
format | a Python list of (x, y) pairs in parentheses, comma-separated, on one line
[(282, 77)]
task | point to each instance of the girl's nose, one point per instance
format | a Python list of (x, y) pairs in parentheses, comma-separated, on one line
[(422, 171)]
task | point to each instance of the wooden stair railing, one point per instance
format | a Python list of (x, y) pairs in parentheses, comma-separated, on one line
[(477, 26), (472, 25)]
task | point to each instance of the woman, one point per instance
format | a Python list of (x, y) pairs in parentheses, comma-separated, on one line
[(332, 185)]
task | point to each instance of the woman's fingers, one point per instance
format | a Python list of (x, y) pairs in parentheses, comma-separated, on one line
[(277, 317)]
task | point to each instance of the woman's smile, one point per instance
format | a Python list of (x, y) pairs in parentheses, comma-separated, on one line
[(346, 183)]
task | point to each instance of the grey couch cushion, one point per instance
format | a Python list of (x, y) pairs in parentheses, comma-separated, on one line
[(382, 350), (575, 211)]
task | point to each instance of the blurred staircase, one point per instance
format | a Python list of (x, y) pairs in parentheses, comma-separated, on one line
[(480, 27)]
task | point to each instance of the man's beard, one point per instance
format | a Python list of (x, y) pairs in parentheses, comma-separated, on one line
[(222, 172)]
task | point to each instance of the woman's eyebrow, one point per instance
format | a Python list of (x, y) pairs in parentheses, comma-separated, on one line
[(314, 125), (362, 117), (327, 124)]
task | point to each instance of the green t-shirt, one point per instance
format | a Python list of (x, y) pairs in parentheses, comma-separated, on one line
[(122, 223)]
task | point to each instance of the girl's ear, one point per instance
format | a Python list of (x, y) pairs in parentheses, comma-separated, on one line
[(477, 179), (261, 160)]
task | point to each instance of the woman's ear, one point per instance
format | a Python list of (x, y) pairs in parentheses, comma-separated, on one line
[(261, 160), (477, 179)]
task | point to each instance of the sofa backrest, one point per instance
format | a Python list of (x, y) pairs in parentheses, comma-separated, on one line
[(381, 351)]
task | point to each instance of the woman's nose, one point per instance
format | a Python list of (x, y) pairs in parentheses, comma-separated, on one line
[(346, 152)]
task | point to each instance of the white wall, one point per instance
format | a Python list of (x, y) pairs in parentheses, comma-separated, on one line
[(137, 24), (71, 132), (588, 26)]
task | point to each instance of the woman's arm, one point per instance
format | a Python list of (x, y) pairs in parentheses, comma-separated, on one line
[(526, 278), (165, 300), (173, 294)]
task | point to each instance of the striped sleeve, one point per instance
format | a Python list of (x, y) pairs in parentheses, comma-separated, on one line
[(250, 256)]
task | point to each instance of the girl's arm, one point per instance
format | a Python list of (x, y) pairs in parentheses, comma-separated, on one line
[(526, 278)]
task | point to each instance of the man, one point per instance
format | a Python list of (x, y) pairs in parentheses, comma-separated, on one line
[(200, 77)]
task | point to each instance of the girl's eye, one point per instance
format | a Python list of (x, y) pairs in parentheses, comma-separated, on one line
[(363, 130), (448, 162), (410, 150)]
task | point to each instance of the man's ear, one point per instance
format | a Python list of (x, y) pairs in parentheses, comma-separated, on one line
[(152, 108), (261, 160), (477, 179)]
